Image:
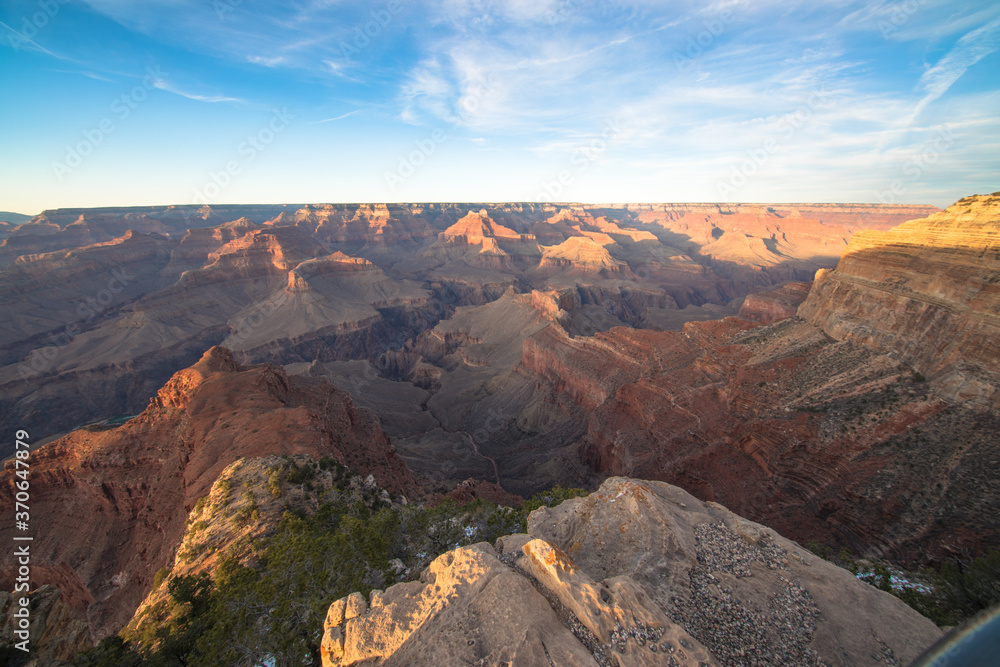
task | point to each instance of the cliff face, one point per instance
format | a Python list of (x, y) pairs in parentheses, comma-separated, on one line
[(871, 423), (132, 487), (820, 439), (637, 573), (927, 292)]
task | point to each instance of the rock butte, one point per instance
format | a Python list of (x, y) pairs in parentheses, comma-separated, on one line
[(133, 486)]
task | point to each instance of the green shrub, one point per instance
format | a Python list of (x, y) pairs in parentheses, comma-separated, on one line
[(249, 513), (225, 488), (298, 475), (160, 575), (274, 482), (272, 612), (110, 652)]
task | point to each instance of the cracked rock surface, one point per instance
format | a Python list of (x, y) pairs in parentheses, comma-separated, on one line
[(637, 573)]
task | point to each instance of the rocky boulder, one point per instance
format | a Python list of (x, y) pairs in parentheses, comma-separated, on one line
[(637, 573)]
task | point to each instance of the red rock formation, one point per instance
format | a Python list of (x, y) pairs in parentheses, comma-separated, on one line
[(198, 243), (822, 440), (927, 291), (823, 433), (475, 227), (581, 253), (475, 489), (779, 304), (109, 506)]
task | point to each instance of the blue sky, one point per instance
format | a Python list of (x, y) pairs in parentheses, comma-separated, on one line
[(117, 102)]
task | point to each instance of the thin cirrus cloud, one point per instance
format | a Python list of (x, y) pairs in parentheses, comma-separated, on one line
[(212, 99), (969, 50), (681, 91), (336, 118)]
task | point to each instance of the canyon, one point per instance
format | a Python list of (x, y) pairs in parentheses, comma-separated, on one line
[(829, 371), (868, 419), (132, 486), (106, 304)]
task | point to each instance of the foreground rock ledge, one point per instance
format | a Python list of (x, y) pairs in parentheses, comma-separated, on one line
[(638, 573)]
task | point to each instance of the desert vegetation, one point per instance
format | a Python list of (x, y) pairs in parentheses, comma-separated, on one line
[(948, 594), (269, 608)]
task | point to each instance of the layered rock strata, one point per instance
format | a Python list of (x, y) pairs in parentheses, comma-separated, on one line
[(926, 292), (131, 487), (869, 421)]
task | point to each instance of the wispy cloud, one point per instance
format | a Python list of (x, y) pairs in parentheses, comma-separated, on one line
[(335, 118), (89, 75), (275, 61), (211, 99), (19, 39), (969, 50), (693, 86)]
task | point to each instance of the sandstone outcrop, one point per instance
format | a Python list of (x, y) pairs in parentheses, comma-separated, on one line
[(927, 292), (243, 508), (132, 486), (637, 573)]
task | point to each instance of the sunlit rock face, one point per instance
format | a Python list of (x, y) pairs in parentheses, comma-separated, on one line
[(927, 292), (637, 573), (869, 420)]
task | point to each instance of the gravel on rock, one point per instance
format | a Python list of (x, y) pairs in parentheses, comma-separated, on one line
[(738, 633)]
